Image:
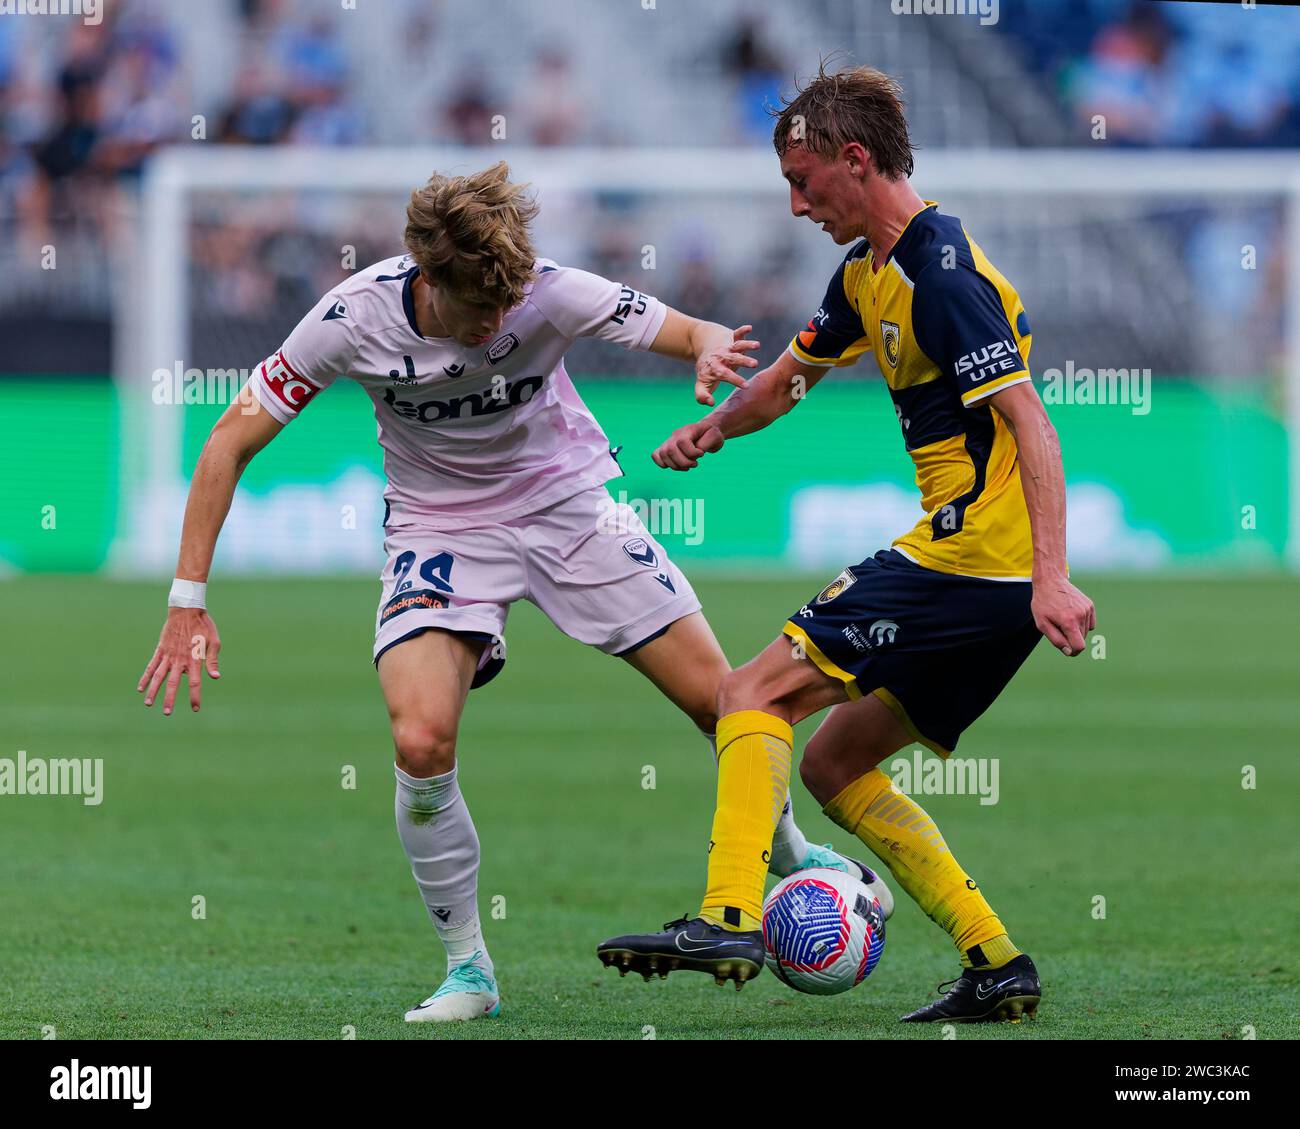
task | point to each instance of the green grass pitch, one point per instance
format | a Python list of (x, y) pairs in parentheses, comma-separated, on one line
[(1120, 778)]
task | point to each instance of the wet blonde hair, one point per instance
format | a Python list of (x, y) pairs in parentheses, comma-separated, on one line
[(860, 104)]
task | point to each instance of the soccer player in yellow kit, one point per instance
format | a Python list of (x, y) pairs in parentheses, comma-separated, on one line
[(915, 642)]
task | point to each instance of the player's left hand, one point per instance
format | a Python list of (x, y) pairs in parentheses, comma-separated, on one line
[(188, 645), (718, 365), (1064, 614), (684, 448)]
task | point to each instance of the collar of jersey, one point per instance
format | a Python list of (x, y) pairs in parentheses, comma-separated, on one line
[(907, 227), (408, 302), (408, 306)]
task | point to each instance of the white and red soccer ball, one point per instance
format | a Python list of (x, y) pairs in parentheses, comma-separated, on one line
[(823, 931)]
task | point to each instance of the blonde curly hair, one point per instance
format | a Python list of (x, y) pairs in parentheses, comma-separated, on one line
[(469, 235)]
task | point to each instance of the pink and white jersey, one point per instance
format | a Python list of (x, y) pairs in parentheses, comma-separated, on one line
[(470, 434)]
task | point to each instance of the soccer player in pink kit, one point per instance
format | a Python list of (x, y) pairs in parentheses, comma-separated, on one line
[(495, 493)]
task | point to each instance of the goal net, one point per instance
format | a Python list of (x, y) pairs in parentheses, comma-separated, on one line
[(1160, 289)]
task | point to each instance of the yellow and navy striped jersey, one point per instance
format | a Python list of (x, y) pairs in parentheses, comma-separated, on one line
[(948, 331)]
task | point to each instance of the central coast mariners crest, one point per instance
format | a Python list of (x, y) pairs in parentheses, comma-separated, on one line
[(889, 335), (836, 586)]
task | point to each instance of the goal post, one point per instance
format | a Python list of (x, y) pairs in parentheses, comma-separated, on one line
[(1110, 250)]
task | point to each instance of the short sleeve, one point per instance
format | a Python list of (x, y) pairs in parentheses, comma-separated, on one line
[(581, 304), (959, 323), (320, 349), (835, 335)]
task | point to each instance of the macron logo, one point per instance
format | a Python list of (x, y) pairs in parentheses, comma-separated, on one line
[(102, 1083), (336, 311)]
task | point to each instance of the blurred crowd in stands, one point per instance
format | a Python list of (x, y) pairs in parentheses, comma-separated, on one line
[(1167, 74), (83, 105)]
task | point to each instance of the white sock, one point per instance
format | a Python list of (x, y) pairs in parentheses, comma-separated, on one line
[(439, 839), (789, 847)]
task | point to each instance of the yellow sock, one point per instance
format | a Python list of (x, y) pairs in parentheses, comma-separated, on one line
[(754, 751), (905, 838)]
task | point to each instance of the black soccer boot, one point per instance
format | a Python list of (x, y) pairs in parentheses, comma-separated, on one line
[(687, 944), (985, 995)]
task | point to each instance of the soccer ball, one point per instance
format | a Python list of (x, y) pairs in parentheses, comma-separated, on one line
[(823, 931)]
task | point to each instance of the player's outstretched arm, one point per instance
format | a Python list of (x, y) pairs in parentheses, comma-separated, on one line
[(757, 402), (715, 350), (189, 640), (1063, 613)]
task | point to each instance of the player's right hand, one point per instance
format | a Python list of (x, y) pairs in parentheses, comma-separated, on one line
[(1063, 614), (189, 643), (684, 448), (718, 365)]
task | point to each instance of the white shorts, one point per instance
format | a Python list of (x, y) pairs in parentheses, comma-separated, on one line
[(588, 563)]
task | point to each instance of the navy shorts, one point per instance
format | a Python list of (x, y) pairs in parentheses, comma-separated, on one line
[(936, 648)]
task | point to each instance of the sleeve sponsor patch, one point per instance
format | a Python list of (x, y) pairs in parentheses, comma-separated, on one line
[(290, 390), (630, 302), (960, 324)]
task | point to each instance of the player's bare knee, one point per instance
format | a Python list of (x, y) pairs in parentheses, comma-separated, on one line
[(424, 748), (701, 707), (818, 776), (706, 722), (704, 714), (731, 692), (740, 690)]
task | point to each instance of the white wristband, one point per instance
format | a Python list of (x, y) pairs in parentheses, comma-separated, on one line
[(187, 594)]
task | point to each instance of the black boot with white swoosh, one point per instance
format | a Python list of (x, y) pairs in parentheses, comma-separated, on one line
[(986, 995), (687, 944)]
